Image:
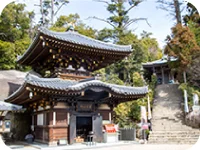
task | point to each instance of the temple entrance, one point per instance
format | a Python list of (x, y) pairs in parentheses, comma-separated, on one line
[(83, 126)]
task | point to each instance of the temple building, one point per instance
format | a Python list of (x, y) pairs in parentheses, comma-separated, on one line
[(5, 108), (161, 69), (65, 100)]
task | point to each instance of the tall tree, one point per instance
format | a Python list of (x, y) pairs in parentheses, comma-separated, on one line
[(14, 22), (173, 7), (49, 9), (119, 19), (192, 20), (182, 44), (15, 26)]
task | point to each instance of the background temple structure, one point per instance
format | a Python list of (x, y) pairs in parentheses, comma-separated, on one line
[(10, 81), (161, 69), (65, 101)]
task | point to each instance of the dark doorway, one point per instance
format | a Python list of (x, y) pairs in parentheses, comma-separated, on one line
[(83, 126)]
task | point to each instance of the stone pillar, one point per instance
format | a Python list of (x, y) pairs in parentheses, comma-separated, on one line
[(163, 75), (110, 117)]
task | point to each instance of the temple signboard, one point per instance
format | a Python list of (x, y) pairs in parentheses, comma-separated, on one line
[(83, 106)]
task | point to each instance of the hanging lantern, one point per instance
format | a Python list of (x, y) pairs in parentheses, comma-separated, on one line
[(30, 94), (43, 43)]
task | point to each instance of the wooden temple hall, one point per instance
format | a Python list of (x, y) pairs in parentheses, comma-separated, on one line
[(66, 101), (161, 69)]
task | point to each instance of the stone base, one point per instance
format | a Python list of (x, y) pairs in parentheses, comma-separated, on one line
[(193, 119)]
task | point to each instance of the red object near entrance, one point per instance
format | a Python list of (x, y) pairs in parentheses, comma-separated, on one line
[(110, 128)]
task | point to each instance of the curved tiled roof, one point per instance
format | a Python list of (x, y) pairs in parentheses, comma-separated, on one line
[(74, 86), (9, 107), (68, 85), (161, 61), (76, 38)]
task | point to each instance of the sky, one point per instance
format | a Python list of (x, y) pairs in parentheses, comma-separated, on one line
[(160, 21)]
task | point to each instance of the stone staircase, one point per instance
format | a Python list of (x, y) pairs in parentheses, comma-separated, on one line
[(168, 118)]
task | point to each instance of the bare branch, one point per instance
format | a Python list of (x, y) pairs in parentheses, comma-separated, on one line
[(130, 8), (102, 20), (59, 8), (162, 2), (135, 20), (133, 5), (102, 1)]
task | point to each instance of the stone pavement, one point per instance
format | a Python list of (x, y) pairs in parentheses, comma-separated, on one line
[(113, 146)]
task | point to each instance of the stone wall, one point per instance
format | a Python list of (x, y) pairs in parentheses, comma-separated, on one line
[(20, 125)]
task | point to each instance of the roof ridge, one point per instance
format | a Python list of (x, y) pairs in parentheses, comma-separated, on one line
[(45, 30)]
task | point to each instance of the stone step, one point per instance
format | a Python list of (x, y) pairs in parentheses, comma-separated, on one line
[(174, 136), (168, 118), (177, 133), (171, 142), (177, 126), (170, 128), (173, 139), (197, 131)]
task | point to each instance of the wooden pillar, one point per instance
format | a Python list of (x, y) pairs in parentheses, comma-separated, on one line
[(154, 71), (54, 118), (3, 125), (68, 118), (32, 127), (163, 75)]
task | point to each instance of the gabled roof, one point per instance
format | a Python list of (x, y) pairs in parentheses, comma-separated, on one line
[(160, 62), (68, 86), (69, 40)]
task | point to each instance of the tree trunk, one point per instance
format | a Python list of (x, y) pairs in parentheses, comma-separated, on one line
[(177, 11), (52, 12), (41, 10)]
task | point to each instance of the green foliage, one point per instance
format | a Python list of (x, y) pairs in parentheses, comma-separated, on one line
[(113, 78), (190, 91), (14, 39), (63, 22), (119, 19), (21, 46), (14, 22), (127, 114), (137, 80), (196, 30), (7, 57), (151, 47)]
